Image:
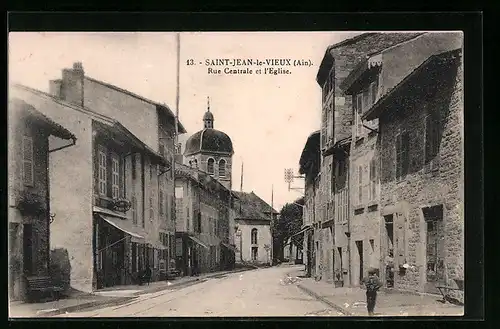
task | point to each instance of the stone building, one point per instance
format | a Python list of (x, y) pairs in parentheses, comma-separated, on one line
[(253, 220), (422, 171), (32, 140), (211, 151), (101, 196), (151, 122), (309, 167), (332, 231), (202, 232), (366, 83)]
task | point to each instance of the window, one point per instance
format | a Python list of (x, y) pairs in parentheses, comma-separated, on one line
[(102, 172), (115, 176), (402, 154), (255, 254), (359, 112), (431, 137), (360, 184), (222, 168), (324, 125), (210, 166), (195, 163), (188, 221), (28, 170), (150, 171), (373, 92), (161, 203), (151, 209), (373, 180), (134, 210), (172, 208), (254, 236), (134, 163)]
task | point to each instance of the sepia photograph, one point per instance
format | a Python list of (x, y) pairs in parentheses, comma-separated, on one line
[(236, 174)]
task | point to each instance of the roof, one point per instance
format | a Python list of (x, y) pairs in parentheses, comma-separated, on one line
[(200, 177), (374, 43), (160, 106), (110, 122), (343, 143), (209, 140), (436, 63), (310, 151), (253, 207), (55, 129)]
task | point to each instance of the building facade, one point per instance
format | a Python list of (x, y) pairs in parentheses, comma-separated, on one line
[(421, 124), (202, 233), (30, 216), (253, 236), (111, 174), (151, 122), (309, 165)]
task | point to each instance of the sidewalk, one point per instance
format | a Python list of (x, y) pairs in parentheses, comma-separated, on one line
[(352, 301), (106, 297)]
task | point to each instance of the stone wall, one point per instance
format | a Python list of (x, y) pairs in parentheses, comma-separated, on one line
[(423, 187)]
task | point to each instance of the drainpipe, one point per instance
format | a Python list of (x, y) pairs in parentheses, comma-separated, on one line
[(349, 222), (47, 198)]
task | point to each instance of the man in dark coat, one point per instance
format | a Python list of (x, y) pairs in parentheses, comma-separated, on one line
[(372, 284), (147, 274)]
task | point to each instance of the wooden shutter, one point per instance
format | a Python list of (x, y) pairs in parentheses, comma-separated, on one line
[(405, 144), (28, 166), (398, 156), (400, 236)]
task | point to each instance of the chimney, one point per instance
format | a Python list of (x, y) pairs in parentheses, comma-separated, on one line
[(55, 87), (72, 84)]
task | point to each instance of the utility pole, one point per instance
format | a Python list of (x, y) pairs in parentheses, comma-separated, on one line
[(176, 137)]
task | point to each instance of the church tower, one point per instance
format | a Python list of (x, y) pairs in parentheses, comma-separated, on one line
[(211, 150)]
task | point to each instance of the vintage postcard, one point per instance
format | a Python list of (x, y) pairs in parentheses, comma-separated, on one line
[(236, 174)]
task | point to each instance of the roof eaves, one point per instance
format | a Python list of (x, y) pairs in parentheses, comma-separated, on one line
[(144, 99), (376, 110)]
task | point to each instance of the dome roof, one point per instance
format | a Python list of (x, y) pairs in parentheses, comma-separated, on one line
[(208, 116), (209, 140)]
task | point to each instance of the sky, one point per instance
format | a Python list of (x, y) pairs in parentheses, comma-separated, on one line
[(268, 117)]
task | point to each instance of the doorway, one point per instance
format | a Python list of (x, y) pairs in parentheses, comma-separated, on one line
[(435, 271), (359, 245), (339, 275), (28, 250), (389, 251)]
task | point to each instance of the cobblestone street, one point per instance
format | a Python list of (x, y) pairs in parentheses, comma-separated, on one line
[(263, 292)]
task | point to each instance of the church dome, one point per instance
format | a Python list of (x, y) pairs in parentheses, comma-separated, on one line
[(209, 140)]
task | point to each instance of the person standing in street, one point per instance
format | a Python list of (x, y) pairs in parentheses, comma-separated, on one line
[(372, 284)]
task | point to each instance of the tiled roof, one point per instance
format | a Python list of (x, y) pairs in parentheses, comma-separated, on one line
[(56, 129), (252, 207), (432, 63), (377, 42)]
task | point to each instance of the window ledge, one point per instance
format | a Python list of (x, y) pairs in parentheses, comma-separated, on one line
[(359, 209)]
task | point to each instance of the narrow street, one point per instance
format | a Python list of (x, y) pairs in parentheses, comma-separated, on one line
[(263, 292)]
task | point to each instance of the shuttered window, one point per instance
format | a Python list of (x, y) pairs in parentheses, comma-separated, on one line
[(28, 166), (360, 185), (358, 113), (102, 172), (115, 176), (402, 154), (134, 210), (373, 180)]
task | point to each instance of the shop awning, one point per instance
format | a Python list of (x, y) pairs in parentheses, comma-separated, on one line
[(228, 246), (198, 241), (137, 235), (302, 230), (156, 245)]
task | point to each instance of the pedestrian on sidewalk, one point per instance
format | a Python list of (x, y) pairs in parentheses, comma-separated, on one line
[(372, 284), (147, 274)]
